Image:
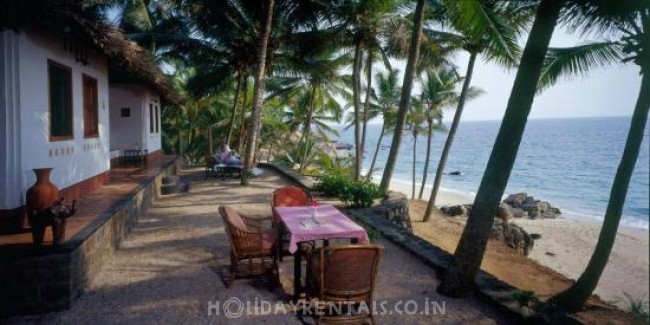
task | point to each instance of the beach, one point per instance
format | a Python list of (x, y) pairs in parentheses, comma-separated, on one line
[(565, 247)]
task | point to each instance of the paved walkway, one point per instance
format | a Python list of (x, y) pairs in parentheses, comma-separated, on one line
[(169, 270)]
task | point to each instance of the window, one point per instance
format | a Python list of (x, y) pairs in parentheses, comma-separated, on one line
[(152, 129), (91, 109), (60, 87), (126, 112)]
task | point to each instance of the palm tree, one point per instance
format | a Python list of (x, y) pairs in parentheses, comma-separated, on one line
[(387, 99), (470, 250), (459, 279), (483, 28), (416, 119), (439, 92), (315, 82), (635, 24), (365, 22), (407, 85), (258, 91)]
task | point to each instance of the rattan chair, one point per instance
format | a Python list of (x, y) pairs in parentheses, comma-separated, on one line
[(251, 247), (288, 196), (344, 274)]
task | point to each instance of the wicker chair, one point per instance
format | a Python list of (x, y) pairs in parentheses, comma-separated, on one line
[(288, 196), (251, 248), (344, 274)]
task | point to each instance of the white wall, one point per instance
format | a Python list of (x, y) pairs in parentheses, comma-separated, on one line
[(126, 132), (73, 160), (133, 132)]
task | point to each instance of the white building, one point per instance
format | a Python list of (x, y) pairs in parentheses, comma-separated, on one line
[(59, 106)]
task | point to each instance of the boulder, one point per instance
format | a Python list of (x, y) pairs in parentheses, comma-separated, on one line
[(514, 236), (454, 210), (519, 213), (526, 206), (505, 212), (516, 200)]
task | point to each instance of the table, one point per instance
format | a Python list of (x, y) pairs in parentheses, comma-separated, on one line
[(334, 225)]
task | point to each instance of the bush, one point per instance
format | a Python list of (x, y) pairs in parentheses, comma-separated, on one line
[(363, 193), (334, 185), (357, 194)]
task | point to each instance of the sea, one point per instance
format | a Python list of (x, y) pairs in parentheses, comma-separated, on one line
[(569, 162)]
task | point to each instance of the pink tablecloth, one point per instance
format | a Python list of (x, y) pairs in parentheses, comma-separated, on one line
[(336, 225)]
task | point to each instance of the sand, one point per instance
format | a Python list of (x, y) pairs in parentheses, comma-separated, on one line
[(565, 247)]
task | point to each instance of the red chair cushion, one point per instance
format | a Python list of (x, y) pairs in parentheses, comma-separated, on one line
[(235, 219), (268, 241)]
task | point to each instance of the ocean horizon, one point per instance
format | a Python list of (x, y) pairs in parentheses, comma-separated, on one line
[(570, 162)]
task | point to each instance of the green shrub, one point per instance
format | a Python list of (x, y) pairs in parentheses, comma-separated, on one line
[(357, 194), (334, 185), (363, 193)]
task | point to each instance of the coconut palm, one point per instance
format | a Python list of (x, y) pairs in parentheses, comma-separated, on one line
[(387, 98), (439, 92), (469, 252), (416, 119), (313, 82), (407, 85), (478, 27), (459, 279), (365, 23), (634, 22), (258, 91)]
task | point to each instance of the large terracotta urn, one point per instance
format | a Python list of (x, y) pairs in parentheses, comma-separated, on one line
[(43, 194)]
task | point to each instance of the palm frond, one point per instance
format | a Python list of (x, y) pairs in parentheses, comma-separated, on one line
[(576, 61)]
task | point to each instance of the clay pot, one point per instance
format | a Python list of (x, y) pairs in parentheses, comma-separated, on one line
[(42, 194)]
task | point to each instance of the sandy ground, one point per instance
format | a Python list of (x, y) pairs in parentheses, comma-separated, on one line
[(565, 247), (171, 268)]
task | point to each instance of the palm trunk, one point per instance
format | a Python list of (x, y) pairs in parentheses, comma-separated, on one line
[(427, 157), (258, 91), (210, 145), (366, 107), (450, 137), (575, 296), (374, 157), (407, 85), (242, 119), (307, 129), (415, 145), (459, 279), (231, 123), (356, 93)]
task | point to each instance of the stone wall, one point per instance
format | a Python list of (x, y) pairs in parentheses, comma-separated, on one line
[(395, 208), (52, 278)]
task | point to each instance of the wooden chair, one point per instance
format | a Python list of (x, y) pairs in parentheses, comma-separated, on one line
[(288, 196), (344, 274), (251, 247)]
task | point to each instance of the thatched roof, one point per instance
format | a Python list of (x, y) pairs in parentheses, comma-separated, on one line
[(128, 61)]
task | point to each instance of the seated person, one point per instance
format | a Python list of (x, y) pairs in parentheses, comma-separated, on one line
[(227, 156)]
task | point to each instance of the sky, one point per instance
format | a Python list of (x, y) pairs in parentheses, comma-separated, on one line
[(602, 91), (605, 91)]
